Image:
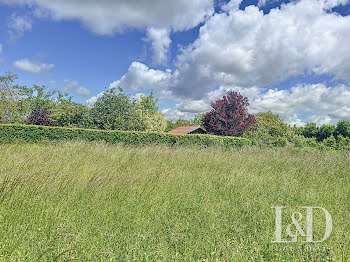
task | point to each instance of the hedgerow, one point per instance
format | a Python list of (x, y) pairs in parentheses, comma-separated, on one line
[(30, 133)]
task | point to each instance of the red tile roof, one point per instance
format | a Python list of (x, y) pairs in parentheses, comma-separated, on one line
[(183, 129)]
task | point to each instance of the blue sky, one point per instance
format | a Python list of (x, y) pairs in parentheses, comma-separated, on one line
[(290, 57)]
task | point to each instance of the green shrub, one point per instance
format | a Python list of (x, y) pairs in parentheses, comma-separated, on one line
[(330, 142), (324, 132), (271, 123), (9, 133), (70, 114), (310, 130), (343, 143), (311, 142), (279, 141), (343, 128)]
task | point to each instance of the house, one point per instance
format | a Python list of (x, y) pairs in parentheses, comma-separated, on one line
[(188, 130)]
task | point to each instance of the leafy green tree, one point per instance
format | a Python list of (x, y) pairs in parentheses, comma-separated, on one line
[(38, 97), (170, 125), (310, 130), (271, 131), (180, 122), (149, 114), (13, 107), (343, 128), (198, 120), (271, 124), (343, 142), (114, 110), (70, 114), (298, 130), (330, 142), (324, 132)]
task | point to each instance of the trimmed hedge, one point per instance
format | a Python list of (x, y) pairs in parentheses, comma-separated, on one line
[(29, 133)]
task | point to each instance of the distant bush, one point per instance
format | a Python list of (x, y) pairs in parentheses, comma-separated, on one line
[(343, 128), (325, 131), (279, 142), (343, 142), (180, 122), (330, 142), (9, 133), (310, 130), (70, 114), (271, 124), (196, 121), (271, 131)]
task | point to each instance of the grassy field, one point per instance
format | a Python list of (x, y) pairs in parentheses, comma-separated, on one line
[(96, 202)]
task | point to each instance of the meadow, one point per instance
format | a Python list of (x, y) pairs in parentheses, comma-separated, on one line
[(89, 201)]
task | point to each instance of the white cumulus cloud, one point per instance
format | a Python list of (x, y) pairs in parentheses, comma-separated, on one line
[(18, 25), (32, 67), (247, 48), (325, 104), (141, 77), (107, 17), (161, 41), (75, 87)]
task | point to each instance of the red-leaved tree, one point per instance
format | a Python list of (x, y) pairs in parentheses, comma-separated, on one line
[(40, 117), (229, 116)]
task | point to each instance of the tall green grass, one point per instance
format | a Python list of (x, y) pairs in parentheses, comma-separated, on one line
[(97, 202)]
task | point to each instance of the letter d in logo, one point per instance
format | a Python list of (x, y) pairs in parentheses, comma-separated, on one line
[(299, 231), (309, 225)]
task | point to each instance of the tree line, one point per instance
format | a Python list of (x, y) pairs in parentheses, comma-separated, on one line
[(114, 110)]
